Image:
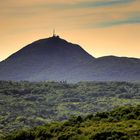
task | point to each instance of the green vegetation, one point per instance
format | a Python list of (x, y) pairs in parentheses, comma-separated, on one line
[(120, 124), (24, 105)]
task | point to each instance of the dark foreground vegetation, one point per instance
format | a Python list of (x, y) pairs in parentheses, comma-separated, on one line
[(24, 105), (120, 124)]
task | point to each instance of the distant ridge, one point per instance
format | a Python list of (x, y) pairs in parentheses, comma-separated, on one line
[(54, 58)]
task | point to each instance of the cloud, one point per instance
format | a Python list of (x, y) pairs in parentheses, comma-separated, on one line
[(86, 4), (74, 13), (110, 2), (103, 3), (62, 3), (129, 20)]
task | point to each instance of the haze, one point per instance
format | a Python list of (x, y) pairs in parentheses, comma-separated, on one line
[(101, 27)]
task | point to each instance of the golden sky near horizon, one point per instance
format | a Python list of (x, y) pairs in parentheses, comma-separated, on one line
[(101, 27)]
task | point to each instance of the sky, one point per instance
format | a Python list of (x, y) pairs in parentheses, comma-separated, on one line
[(101, 27)]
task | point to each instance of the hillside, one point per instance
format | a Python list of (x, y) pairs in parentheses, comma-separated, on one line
[(57, 59), (46, 59), (120, 124), (29, 104)]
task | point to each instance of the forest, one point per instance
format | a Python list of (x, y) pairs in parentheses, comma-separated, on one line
[(39, 106), (119, 124)]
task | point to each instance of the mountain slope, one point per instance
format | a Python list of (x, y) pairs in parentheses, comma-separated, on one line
[(46, 59), (56, 59), (116, 68)]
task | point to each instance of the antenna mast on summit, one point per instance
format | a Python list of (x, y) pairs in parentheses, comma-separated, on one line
[(54, 33)]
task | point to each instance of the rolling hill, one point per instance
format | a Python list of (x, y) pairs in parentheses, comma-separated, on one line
[(56, 59)]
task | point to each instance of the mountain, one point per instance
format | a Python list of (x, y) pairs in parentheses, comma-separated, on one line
[(56, 59)]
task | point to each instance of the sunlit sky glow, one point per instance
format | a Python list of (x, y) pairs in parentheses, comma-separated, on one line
[(101, 27)]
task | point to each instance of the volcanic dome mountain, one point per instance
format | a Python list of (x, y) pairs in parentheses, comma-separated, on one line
[(56, 59)]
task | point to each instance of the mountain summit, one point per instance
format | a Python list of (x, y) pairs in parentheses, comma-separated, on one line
[(56, 59), (46, 59)]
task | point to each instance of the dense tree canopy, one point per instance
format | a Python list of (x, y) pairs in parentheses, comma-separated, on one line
[(25, 104), (115, 125)]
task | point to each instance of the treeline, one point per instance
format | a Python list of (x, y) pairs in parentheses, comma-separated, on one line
[(120, 124), (28, 104), (121, 89)]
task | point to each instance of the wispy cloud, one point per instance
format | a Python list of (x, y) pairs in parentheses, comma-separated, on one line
[(61, 4), (128, 20), (81, 13), (88, 4), (103, 3)]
